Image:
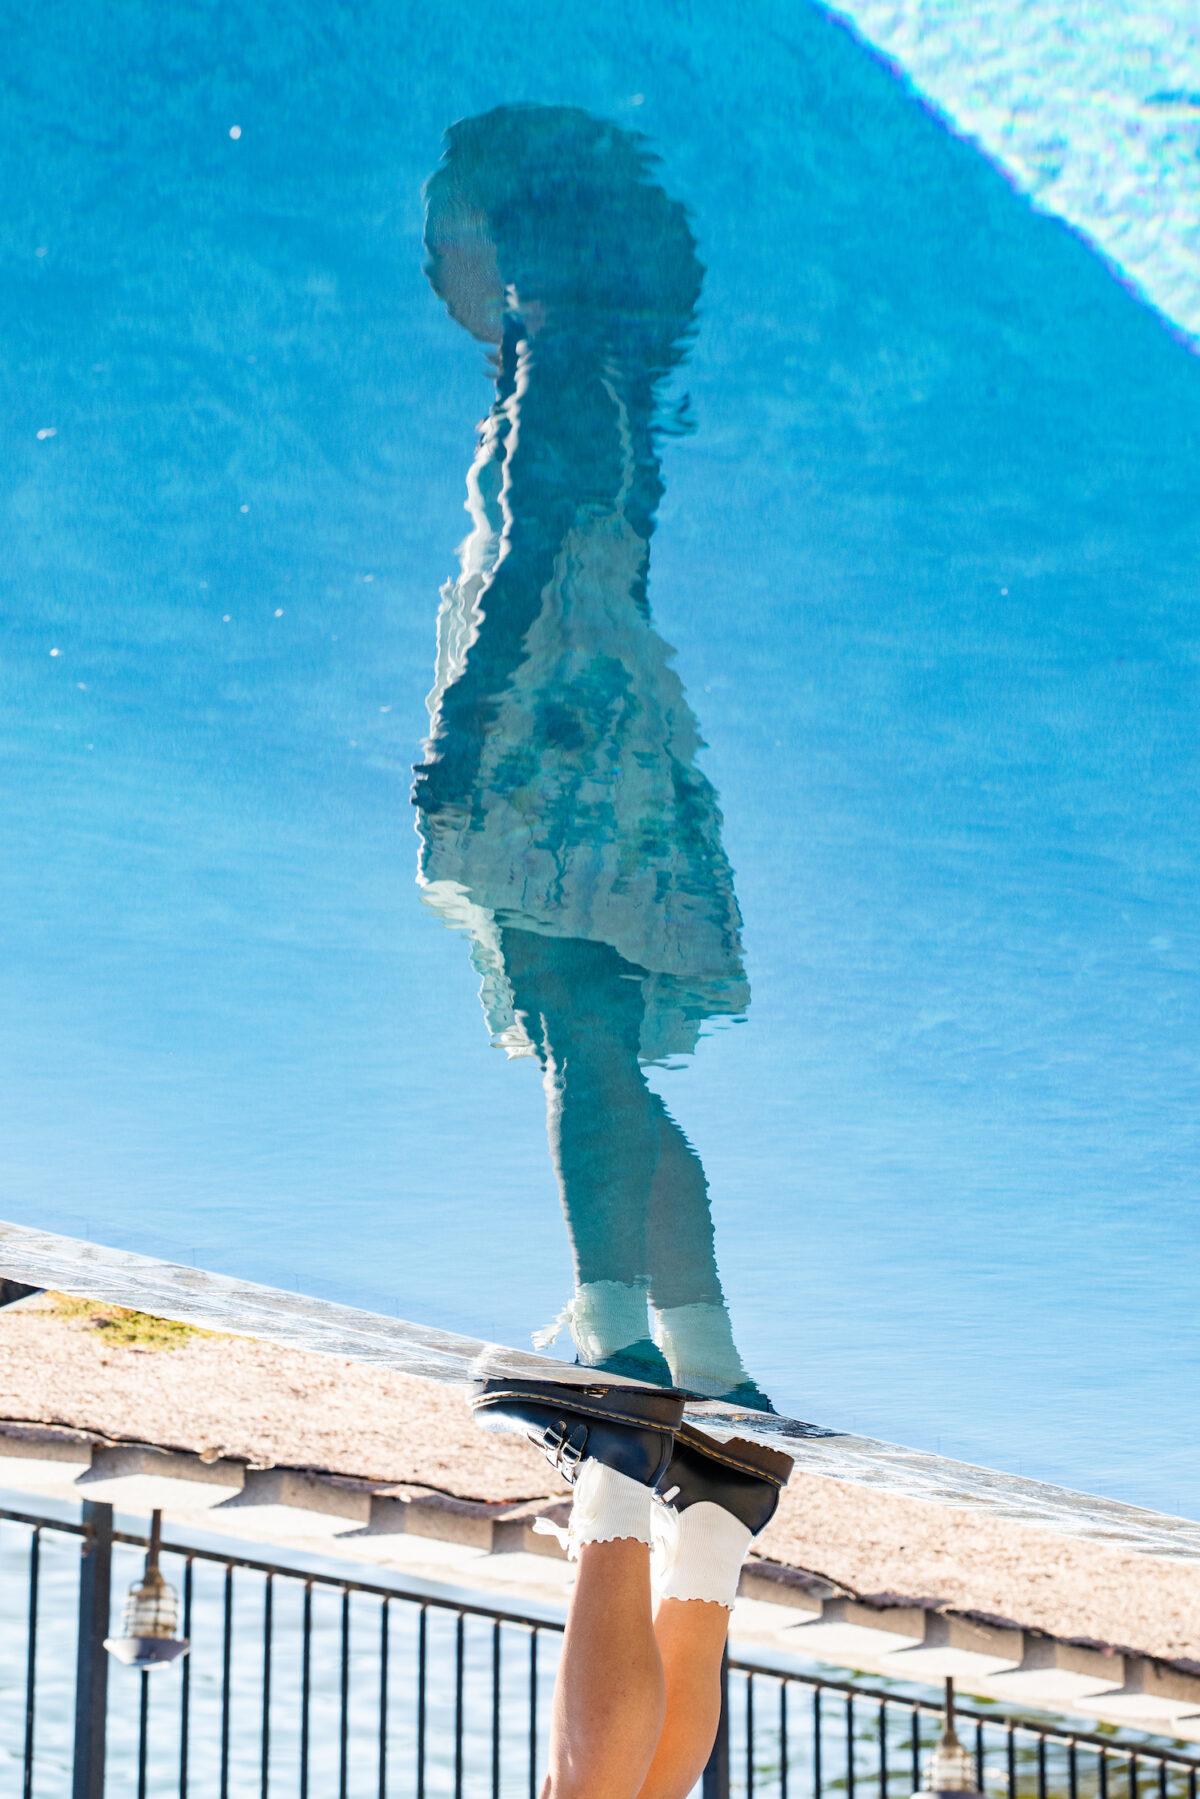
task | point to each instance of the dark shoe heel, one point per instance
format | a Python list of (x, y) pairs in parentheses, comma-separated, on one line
[(744, 1477)]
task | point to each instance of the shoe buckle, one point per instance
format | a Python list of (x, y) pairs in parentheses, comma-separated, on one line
[(566, 1451)]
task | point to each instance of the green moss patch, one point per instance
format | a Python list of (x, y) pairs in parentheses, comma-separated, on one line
[(132, 1330)]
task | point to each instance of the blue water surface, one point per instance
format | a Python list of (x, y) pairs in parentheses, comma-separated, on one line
[(925, 551)]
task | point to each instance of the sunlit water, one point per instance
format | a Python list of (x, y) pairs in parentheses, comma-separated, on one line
[(863, 493)]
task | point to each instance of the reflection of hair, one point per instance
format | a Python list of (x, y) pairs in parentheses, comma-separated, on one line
[(562, 207)]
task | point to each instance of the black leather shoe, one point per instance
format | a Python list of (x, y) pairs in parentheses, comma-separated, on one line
[(631, 1429), (746, 1478)]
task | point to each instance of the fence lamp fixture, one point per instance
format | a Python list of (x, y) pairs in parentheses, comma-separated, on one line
[(148, 1630), (950, 1771)]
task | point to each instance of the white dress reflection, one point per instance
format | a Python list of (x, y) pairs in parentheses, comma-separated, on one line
[(564, 822)]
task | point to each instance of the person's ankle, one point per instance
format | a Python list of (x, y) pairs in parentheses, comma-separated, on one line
[(608, 1507)]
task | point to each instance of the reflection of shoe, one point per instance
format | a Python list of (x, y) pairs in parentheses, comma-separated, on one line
[(629, 1429), (748, 1396), (745, 1478), (640, 1361)]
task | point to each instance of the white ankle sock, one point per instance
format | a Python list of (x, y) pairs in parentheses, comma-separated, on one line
[(607, 1316), (697, 1341), (602, 1317), (699, 1553), (607, 1507)]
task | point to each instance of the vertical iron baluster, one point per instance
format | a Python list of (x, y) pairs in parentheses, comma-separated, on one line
[(1133, 1777), (783, 1740), (344, 1722), (1011, 1763), (305, 1685), (883, 1749), (849, 1746), (458, 1705), (714, 1781), (90, 1748), (750, 1733), (226, 1669), (979, 1754), (817, 1743), (35, 1561), (533, 1713), (422, 1655), (1102, 1774), (1041, 1767), (1072, 1772), (143, 1732), (914, 1743), (1162, 1781), (384, 1627), (268, 1633), (496, 1710), (185, 1687)]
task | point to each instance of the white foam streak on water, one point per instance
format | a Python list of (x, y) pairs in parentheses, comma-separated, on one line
[(1094, 111)]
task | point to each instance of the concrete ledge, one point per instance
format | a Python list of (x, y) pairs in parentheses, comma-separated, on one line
[(416, 1533), (283, 1503), (959, 1649), (771, 1599), (849, 1631), (141, 1479), (516, 1536), (1152, 1695), (1058, 1674), (37, 1461)]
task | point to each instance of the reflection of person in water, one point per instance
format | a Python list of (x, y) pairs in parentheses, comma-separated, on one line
[(564, 821), (566, 826)]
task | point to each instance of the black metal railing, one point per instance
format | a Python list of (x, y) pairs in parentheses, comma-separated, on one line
[(312, 1685), (798, 1735)]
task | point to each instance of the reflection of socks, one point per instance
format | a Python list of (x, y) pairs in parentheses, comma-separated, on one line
[(607, 1506), (703, 1548), (697, 1341), (607, 1316)]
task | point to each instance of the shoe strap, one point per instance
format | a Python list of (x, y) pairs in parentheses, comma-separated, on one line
[(565, 1447)]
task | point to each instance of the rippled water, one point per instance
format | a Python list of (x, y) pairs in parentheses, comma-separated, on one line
[(810, 782)]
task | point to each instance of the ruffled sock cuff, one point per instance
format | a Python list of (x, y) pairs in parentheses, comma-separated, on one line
[(699, 1553), (607, 1507)]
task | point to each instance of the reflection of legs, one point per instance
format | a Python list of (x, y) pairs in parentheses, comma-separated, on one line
[(581, 1007), (693, 1321), (603, 1145), (633, 1189), (679, 1229)]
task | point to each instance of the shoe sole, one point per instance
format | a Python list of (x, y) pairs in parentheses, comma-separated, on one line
[(755, 1459), (653, 1408)]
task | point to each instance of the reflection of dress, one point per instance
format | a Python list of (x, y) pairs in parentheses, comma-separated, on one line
[(586, 816)]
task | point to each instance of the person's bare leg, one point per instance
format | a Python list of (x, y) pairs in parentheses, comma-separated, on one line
[(609, 1700), (691, 1641)]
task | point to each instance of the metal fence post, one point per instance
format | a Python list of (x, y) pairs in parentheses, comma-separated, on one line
[(91, 1659), (716, 1774)]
